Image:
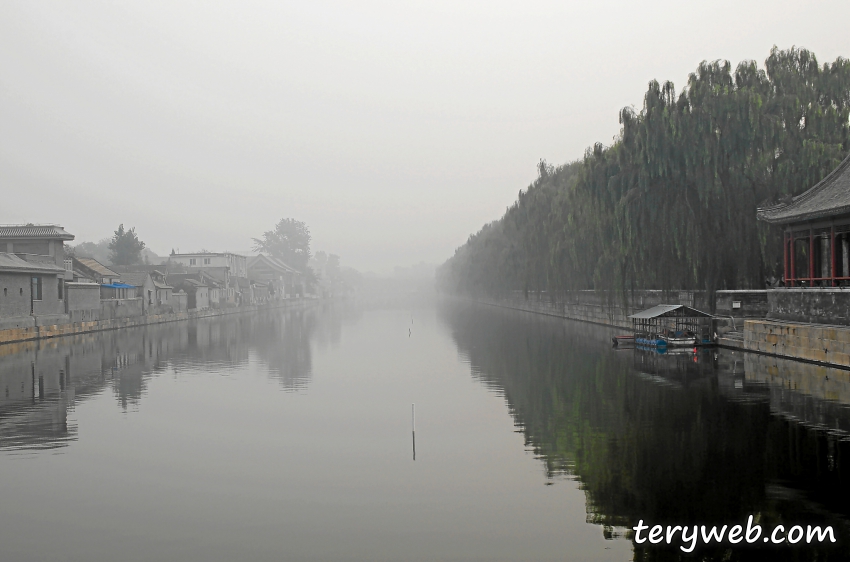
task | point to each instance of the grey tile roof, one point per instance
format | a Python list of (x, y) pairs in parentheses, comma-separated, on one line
[(274, 263), (12, 263), (828, 198), (136, 278), (46, 231), (97, 267), (178, 279)]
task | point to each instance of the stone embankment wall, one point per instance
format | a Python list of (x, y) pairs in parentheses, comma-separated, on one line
[(82, 301), (597, 307), (809, 342), (114, 309), (826, 344), (56, 330), (742, 304), (818, 306)]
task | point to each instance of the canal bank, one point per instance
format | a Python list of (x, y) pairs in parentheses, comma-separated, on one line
[(817, 343), (596, 307), (765, 322), (39, 332)]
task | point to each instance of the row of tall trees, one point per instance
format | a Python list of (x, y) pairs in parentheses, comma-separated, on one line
[(671, 204)]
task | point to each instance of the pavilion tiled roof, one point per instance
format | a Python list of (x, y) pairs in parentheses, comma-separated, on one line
[(830, 197), (45, 231)]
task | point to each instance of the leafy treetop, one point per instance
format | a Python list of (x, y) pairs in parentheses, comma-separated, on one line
[(125, 248), (289, 242)]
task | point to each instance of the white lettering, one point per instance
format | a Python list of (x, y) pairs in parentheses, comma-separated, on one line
[(773, 538), (735, 534), (656, 534), (637, 529), (821, 534), (790, 536), (672, 531), (751, 539), (706, 537), (693, 538)]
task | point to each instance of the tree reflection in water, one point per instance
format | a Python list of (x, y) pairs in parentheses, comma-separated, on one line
[(657, 438)]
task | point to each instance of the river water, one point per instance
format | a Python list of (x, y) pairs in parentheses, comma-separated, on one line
[(286, 435)]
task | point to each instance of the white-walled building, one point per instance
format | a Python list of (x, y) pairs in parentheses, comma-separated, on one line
[(225, 267)]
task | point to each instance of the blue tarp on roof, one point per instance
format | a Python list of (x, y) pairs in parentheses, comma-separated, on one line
[(118, 286)]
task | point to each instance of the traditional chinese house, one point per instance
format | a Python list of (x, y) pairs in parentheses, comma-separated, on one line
[(817, 232)]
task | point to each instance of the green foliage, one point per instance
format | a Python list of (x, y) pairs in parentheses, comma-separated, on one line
[(125, 248), (289, 241), (682, 451), (672, 203)]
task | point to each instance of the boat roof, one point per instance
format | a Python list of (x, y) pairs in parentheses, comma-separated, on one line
[(670, 310)]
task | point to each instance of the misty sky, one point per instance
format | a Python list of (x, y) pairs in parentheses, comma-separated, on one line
[(393, 129)]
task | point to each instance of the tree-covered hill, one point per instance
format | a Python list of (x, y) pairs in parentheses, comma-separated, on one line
[(672, 203)]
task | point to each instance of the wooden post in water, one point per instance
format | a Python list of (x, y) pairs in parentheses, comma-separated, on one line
[(413, 427)]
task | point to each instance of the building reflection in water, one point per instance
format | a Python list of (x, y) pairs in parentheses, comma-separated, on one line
[(40, 382), (683, 438)]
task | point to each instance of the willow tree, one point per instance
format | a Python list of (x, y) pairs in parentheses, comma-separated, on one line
[(672, 203)]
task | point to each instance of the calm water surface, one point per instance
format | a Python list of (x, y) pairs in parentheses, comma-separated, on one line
[(287, 436)]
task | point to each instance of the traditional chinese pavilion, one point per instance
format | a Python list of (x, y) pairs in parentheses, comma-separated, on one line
[(817, 232)]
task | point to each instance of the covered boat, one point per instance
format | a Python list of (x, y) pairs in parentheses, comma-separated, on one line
[(669, 325)]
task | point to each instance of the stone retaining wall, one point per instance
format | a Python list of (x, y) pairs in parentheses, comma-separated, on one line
[(742, 304), (117, 309), (819, 305), (57, 330), (596, 306), (810, 342)]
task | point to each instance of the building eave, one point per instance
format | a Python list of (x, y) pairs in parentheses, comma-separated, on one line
[(765, 216)]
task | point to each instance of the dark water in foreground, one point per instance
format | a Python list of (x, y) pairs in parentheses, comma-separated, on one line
[(286, 436)]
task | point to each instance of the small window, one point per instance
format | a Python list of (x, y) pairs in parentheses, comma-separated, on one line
[(36, 288), (5, 291), (22, 291), (191, 261), (206, 261), (61, 289)]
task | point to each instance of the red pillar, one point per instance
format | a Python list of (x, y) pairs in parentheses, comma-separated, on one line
[(832, 255), (785, 257), (811, 258), (793, 251)]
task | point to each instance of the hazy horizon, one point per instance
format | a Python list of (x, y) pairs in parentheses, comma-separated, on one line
[(393, 131)]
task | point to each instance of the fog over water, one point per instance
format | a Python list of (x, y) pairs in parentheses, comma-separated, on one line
[(393, 130), (286, 435)]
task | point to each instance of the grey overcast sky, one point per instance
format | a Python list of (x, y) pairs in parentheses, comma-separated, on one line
[(393, 129)]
